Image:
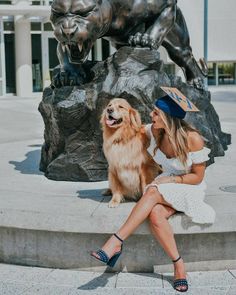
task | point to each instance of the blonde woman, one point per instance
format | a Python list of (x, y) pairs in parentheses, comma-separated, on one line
[(180, 150)]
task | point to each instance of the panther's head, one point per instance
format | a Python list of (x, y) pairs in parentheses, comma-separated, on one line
[(78, 24)]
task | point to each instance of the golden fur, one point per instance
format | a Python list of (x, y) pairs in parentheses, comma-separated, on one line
[(125, 144)]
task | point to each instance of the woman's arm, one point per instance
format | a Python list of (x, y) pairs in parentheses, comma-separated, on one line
[(194, 177)]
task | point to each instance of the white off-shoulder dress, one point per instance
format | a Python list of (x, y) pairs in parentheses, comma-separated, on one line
[(186, 198)]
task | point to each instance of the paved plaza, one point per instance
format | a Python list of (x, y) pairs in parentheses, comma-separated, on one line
[(28, 199), (17, 280)]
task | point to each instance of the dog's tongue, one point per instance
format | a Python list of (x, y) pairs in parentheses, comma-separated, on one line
[(110, 122)]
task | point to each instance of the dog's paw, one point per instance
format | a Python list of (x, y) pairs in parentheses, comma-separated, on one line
[(107, 192), (113, 204)]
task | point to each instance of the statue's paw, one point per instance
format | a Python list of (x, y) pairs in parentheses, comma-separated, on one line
[(143, 40), (66, 79)]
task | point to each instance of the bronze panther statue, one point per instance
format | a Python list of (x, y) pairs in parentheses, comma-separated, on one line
[(79, 23)]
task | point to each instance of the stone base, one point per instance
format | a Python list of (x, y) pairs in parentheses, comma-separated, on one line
[(73, 140)]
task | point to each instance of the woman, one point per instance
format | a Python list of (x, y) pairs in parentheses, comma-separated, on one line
[(180, 150)]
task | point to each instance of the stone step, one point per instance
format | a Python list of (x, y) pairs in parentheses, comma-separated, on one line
[(62, 236)]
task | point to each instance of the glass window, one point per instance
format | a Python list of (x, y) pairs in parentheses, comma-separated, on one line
[(35, 26), (41, 2), (5, 2), (211, 74), (226, 73), (47, 27), (53, 60), (35, 2), (8, 26), (9, 40), (37, 62)]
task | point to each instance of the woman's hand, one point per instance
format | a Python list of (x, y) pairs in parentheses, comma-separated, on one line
[(164, 179)]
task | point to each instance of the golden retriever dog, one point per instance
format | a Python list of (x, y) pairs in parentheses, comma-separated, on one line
[(125, 144)]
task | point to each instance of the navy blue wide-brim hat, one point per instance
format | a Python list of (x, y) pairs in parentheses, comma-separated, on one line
[(169, 106)]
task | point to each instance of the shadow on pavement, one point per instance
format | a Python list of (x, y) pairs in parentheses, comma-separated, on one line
[(97, 193), (97, 282), (102, 280), (91, 194), (30, 165)]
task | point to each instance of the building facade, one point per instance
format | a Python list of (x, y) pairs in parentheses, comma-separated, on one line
[(28, 46)]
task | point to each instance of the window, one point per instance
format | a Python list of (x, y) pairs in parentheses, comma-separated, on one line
[(5, 2), (221, 73), (36, 62), (9, 26), (211, 74), (226, 73), (35, 26), (47, 27), (9, 40)]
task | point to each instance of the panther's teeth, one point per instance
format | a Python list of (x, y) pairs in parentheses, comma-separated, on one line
[(67, 48), (80, 46), (63, 48)]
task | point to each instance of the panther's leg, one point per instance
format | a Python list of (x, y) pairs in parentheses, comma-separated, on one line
[(156, 33), (177, 44)]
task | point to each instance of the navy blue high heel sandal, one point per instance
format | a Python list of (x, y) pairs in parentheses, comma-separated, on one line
[(103, 257), (180, 282)]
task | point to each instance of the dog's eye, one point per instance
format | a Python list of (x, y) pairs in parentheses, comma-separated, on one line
[(121, 107)]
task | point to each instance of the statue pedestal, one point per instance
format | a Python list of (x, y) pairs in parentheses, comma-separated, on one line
[(73, 139)]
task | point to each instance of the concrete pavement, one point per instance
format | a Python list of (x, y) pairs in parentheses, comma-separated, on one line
[(30, 202), (20, 280)]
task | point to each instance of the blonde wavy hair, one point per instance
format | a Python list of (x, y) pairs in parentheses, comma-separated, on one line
[(176, 130)]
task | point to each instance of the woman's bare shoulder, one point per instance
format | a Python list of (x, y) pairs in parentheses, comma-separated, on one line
[(195, 141)]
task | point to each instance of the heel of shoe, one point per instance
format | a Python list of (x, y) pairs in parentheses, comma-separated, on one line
[(113, 259)]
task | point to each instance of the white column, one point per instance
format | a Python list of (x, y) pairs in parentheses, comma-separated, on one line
[(23, 57), (24, 84)]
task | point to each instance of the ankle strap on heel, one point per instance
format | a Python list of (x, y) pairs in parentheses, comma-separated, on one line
[(118, 238), (177, 259)]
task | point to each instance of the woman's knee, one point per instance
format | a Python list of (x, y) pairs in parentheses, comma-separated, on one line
[(157, 215), (152, 191)]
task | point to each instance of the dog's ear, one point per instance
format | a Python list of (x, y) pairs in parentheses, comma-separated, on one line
[(103, 118), (135, 119)]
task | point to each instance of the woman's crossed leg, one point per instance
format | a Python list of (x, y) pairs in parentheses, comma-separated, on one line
[(161, 229), (139, 213)]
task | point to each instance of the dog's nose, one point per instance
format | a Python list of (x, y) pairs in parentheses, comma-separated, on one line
[(110, 110)]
